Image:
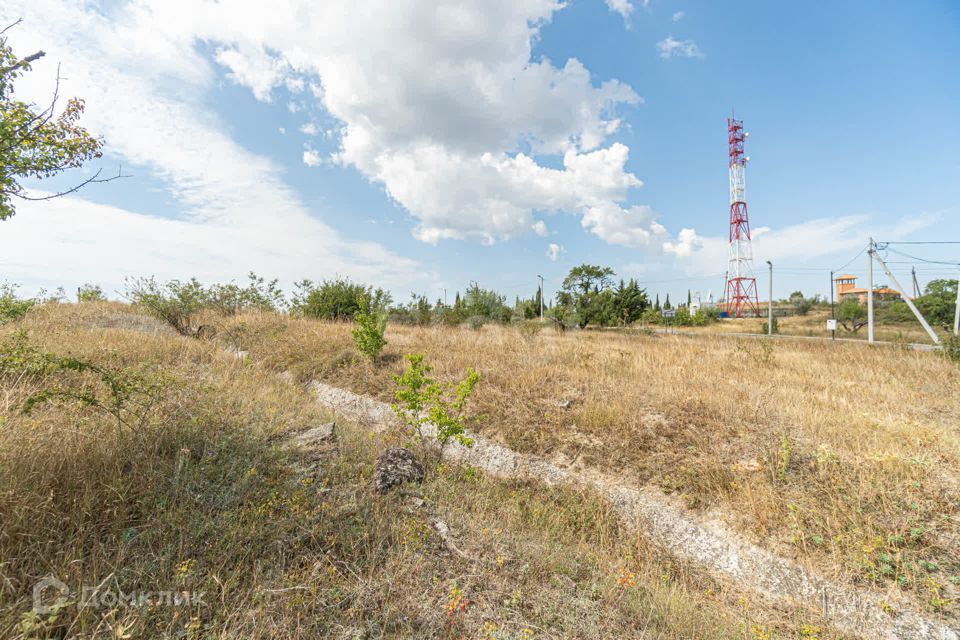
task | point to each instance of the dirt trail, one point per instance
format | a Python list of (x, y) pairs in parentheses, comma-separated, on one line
[(710, 545)]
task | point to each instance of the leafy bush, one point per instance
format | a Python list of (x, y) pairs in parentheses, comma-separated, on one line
[(12, 308), (369, 327), (801, 304), (422, 400), (938, 301), (851, 315), (951, 348), (258, 295), (90, 293), (176, 303), (335, 299)]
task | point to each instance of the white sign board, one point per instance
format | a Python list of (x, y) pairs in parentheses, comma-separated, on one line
[(668, 313), (831, 325)]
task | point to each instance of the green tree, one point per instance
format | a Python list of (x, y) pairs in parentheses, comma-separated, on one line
[(586, 290), (938, 301), (629, 302), (37, 143), (852, 315), (666, 303), (656, 304), (335, 299), (801, 303), (485, 303)]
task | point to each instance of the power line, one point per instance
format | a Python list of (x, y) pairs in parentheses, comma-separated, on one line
[(923, 242), (907, 255), (851, 261)]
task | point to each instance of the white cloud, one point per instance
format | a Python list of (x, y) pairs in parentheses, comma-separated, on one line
[(253, 68), (687, 242), (678, 16), (311, 158), (236, 212), (443, 105), (554, 250), (540, 228), (635, 227), (670, 48), (623, 7), (435, 101), (309, 129), (794, 243)]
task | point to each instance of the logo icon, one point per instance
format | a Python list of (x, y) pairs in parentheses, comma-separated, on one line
[(49, 595)]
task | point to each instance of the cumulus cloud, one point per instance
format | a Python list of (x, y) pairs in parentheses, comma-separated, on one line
[(623, 7), (635, 227), (235, 210), (672, 48), (687, 242), (678, 16), (540, 228), (554, 250), (309, 129), (441, 104), (311, 158)]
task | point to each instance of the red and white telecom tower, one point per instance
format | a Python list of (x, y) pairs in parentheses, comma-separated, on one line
[(741, 290)]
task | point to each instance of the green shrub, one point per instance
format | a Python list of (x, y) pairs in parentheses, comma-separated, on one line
[(335, 299), (951, 348), (90, 293), (176, 303), (258, 295), (421, 400), (12, 308), (369, 327), (765, 326)]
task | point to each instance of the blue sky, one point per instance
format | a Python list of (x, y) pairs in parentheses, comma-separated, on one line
[(422, 145)]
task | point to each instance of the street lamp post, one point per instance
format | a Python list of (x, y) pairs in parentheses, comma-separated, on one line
[(770, 302)]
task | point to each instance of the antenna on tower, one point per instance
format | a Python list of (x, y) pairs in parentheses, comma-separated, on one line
[(741, 285)]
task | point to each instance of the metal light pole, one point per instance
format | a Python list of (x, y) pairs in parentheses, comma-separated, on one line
[(770, 302), (956, 312), (870, 290), (833, 313), (541, 296)]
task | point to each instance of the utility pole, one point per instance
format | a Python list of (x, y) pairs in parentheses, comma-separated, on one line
[(444, 296), (833, 313), (916, 285), (770, 302), (956, 312), (870, 290), (541, 296), (913, 307)]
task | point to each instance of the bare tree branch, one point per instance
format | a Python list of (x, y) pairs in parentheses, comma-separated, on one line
[(94, 179), (10, 26)]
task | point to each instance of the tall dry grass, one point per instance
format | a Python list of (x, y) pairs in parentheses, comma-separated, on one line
[(840, 455), (202, 495)]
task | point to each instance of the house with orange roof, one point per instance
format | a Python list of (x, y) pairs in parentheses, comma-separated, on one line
[(845, 288)]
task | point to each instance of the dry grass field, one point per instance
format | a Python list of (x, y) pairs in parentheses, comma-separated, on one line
[(183, 481), (814, 324), (839, 455)]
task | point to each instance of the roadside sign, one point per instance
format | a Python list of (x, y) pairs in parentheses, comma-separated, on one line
[(831, 325), (668, 313)]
